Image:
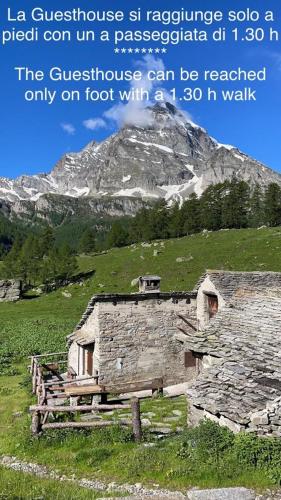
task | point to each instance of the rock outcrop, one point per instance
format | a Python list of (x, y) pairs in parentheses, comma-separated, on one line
[(10, 290)]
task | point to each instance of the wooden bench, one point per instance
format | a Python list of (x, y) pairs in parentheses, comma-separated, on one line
[(74, 390)]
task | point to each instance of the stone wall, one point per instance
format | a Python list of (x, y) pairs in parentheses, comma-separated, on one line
[(137, 340), (207, 286), (90, 331), (266, 422), (10, 290)]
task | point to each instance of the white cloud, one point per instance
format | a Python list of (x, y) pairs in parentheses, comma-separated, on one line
[(135, 112), (94, 123), (139, 112), (68, 128)]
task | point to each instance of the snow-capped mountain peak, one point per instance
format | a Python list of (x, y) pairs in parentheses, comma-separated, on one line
[(170, 157)]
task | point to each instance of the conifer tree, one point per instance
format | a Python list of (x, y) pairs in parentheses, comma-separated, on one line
[(158, 223), (272, 203), (118, 236), (235, 205), (47, 240), (87, 243), (175, 221), (211, 203), (191, 215), (256, 208)]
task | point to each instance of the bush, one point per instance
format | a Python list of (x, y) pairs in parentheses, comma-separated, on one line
[(207, 442), (210, 446), (260, 453)]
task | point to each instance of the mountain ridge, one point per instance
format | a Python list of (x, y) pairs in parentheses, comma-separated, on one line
[(168, 157)]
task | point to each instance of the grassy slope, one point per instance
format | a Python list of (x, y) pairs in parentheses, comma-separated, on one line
[(16, 485), (40, 325)]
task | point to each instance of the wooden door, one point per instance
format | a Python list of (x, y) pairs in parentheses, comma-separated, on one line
[(90, 362), (213, 305), (189, 360), (90, 358)]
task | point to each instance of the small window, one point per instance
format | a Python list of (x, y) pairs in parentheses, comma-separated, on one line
[(189, 360), (212, 304)]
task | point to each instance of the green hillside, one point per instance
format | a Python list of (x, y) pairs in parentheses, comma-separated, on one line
[(40, 324), (240, 250)]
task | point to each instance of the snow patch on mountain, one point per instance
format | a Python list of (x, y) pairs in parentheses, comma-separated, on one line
[(170, 158), (135, 192), (159, 146)]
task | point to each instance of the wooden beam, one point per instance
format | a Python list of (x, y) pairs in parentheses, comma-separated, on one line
[(81, 408), (38, 356), (83, 390), (154, 384), (187, 322), (80, 425), (183, 331), (72, 381), (56, 396)]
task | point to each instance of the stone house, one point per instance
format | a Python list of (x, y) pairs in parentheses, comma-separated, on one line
[(223, 338), (238, 348), (131, 337)]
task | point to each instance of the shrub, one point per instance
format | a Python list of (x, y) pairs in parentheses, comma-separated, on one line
[(260, 453), (207, 442)]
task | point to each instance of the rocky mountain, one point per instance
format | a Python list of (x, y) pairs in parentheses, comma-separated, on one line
[(170, 158)]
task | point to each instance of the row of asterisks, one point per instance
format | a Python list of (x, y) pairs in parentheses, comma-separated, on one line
[(117, 50)]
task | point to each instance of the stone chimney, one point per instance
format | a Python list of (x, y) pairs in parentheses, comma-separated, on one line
[(148, 284)]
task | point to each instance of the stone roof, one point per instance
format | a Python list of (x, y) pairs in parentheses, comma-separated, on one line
[(150, 277), (132, 297), (228, 282), (244, 340)]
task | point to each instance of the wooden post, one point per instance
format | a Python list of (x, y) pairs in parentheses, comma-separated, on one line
[(103, 398), (136, 419), (42, 397), (34, 375), (36, 423)]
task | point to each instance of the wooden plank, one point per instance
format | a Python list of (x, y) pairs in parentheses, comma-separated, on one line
[(63, 382), (136, 386), (83, 390), (56, 396), (81, 408), (80, 425), (55, 388)]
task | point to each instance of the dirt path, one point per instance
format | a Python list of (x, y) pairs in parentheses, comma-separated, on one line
[(136, 490)]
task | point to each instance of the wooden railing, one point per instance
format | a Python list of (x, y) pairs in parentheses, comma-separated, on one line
[(39, 363), (41, 413), (70, 390)]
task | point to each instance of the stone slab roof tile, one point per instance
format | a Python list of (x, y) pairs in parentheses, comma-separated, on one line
[(252, 335), (229, 282)]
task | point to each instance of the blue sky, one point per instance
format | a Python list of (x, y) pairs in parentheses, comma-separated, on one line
[(32, 138)]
